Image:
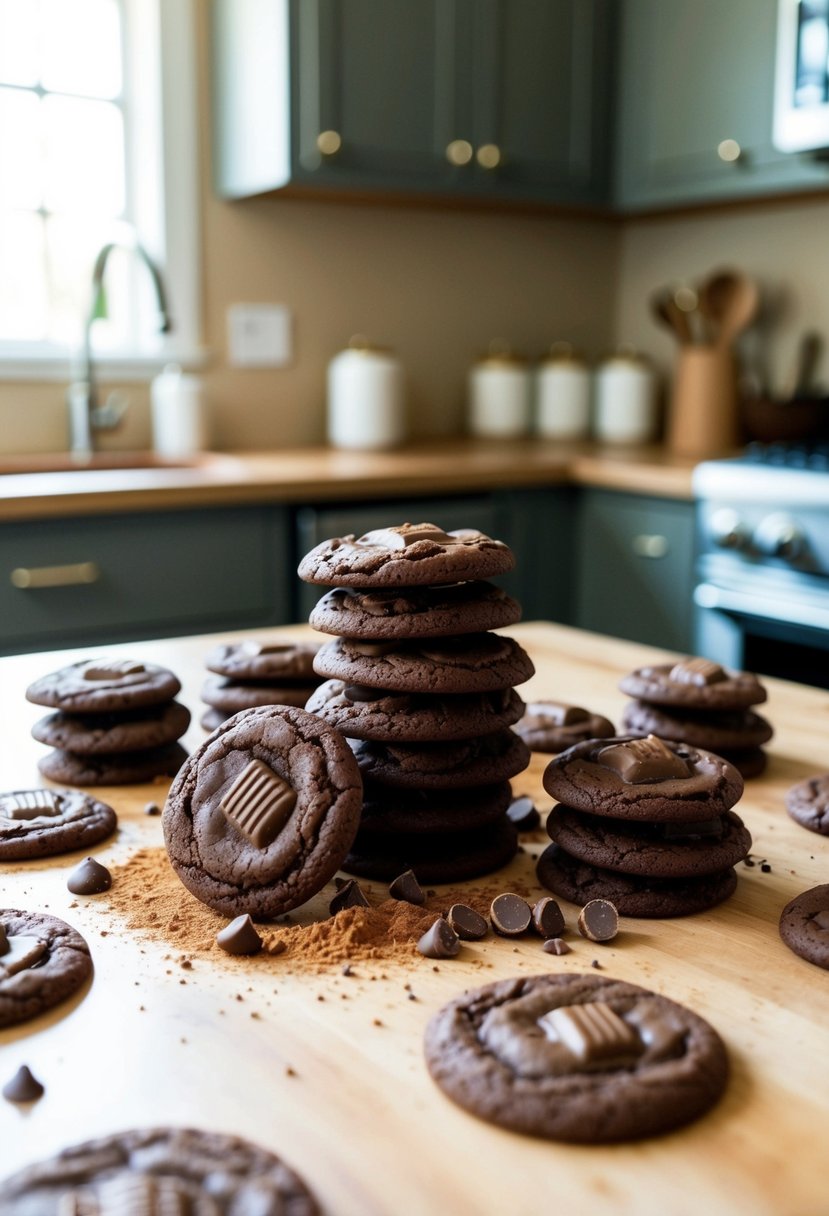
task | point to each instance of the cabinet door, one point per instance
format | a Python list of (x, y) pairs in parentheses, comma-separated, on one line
[(635, 568), (695, 74)]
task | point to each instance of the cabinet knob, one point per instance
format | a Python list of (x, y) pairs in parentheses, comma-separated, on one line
[(459, 152), (329, 142), (650, 545), (31, 578), (488, 156), (729, 150)]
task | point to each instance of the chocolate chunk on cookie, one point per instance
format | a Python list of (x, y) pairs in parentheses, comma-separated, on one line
[(105, 734), (808, 803), (45, 823), (462, 764), (264, 812), (159, 1170), (448, 857), (370, 713), (804, 925), (260, 660), (42, 962), (715, 731), (407, 555), (231, 696), (694, 683), (553, 726), (127, 768), (101, 686), (421, 612), (576, 1058)]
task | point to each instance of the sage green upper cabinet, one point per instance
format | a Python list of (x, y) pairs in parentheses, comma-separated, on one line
[(696, 81), (504, 99)]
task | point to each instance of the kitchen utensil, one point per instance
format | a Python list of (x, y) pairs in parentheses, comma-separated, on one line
[(801, 380), (668, 313), (728, 300)]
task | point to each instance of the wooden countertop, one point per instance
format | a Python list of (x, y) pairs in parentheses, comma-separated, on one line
[(327, 474), (361, 1119)]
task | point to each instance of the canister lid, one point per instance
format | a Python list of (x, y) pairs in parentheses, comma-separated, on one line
[(564, 352), (364, 346), (628, 355), (500, 354)]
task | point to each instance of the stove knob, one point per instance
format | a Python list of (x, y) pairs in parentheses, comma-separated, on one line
[(779, 535), (727, 529)]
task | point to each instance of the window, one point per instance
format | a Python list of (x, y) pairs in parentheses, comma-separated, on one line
[(97, 144)]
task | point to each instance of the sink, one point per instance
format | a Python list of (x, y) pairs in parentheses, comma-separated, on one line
[(63, 462)]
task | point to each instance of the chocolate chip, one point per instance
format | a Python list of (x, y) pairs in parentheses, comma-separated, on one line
[(406, 888), (522, 813), (23, 1087), (350, 895), (152, 808), (548, 918), (346, 969), (554, 945), (440, 940), (89, 878), (239, 937), (469, 925), (510, 915), (698, 672), (599, 920), (595, 963), (765, 868)]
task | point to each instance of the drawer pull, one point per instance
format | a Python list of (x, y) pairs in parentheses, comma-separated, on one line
[(31, 578), (650, 545)]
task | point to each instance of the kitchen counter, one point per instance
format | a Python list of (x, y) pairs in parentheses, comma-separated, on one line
[(327, 1070), (319, 474)]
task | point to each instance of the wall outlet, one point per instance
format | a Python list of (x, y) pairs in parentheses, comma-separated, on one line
[(259, 335)]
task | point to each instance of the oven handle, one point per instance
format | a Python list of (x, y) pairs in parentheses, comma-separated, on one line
[(707, 595)]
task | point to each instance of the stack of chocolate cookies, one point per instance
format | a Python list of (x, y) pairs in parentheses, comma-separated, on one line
[(117, 723), (700, 703), (424, 693), (644, 822), (248, 674)]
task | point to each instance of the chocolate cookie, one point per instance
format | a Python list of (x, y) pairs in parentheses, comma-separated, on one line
[(369, 713), (42, 961), (128, 768), (103, 734), (452, 857), (263, 812), (407, 555), (475, 662), (464, 764), (656, 850), (422, 612), (577, 1058), (727, 730), (649, 779), (231, 696), (102, 686), (211, 718), (418, 811), (694, 684), (44, 823), (804, 925), (808, 803), (633, 895), (749, 762), (264, 661), (553, 726), (159, 1170)]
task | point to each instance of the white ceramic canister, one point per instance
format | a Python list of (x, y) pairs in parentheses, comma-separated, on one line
[(500, 395), (625, 410), (366, 398), (563, 394), (178, 413)]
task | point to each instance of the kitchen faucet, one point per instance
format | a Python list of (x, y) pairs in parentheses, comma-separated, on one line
[(85, 415)]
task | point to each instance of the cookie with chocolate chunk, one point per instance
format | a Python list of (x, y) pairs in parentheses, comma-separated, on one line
[(155, 1170), (462, 764), (576, 1058), (261, 660), (102, 686), (553, 726), (417, 612), (105, 734), (370, 713), (264, 812), (407, 555), (804, 925), (808, 803), (42, 962), (694, 683), (45, 823)]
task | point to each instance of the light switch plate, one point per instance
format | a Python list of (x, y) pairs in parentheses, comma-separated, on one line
[(259, 335)]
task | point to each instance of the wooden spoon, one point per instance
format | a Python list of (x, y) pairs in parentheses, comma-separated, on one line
[(666, 310), (729, 300)]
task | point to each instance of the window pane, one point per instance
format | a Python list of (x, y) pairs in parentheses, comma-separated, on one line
[(19, 20), (82, 47), (20, 169), (23, 304), (84, 156)]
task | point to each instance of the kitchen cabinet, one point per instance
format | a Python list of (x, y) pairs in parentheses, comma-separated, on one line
[(635, 569), (498, 99), (696, 89), (98, 579)]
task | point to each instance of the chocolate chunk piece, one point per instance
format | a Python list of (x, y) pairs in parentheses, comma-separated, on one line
[(350, 895), (523, 813), (240, 936), (555, 945), (593, 1032), (113, 670), (439, 941), (699, 672), (31, 804), (599, 920), (406, 887), (23, 1087), (469, 925), (641, 760), (548, 918), (259, 803), (562, 714), (510, 915), (373, 650), (24, 950), (89, 878)]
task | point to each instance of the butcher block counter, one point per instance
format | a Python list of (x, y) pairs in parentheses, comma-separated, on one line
[(327, 1069)]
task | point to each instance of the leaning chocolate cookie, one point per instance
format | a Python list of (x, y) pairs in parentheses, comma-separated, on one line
[(159, 1170), (576, 1058), (804, 925), (42, 961), (694, 683), (44, 823), (264, 812), (553, 726), (651, 779), (419, 612), (102, 686), (406, 555), (808, 803)]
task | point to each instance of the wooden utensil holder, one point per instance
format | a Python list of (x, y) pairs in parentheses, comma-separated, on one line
[(703, 417)]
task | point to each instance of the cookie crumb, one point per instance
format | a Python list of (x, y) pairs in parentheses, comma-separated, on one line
[(765, 868)]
